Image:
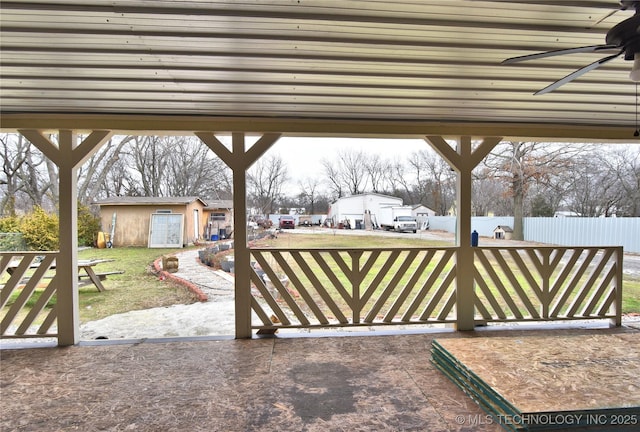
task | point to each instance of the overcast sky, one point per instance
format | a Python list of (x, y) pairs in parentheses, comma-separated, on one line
[(304, 156)]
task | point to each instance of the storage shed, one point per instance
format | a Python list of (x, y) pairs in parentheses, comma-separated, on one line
[(503, 232), (152, 221), (218, 220)]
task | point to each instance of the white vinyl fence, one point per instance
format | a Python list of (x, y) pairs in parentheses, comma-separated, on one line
[(563, 231), (573, 231)]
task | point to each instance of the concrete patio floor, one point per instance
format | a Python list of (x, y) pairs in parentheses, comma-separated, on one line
[(339, 383)]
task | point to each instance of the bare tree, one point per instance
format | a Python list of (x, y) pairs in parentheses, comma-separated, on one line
[(150, 160), (418, 179), (193, 169), (93, 174), (14, 153), (436, 181), (334, 179), (309, 193), (119, 180), (126, 165), (488, 195), (347, 174), (354, 172), (605, 183), (376, 169), (424, 178), (265, 179), (593, 190), (520, 164), (39, 177), (405, 181), (625, 166)]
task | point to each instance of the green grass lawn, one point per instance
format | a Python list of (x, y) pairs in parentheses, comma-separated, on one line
[(630, 295), (137, 288)]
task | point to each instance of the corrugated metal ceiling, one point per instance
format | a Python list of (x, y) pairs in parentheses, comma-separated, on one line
[(366, 61)]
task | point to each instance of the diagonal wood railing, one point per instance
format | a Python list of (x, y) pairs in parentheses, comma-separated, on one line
[(548, 283), (313, 288), (28, 281), (352, 287)]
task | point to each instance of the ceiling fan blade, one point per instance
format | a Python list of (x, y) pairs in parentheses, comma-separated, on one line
[(577, 73), (584, 49), (606, 16)]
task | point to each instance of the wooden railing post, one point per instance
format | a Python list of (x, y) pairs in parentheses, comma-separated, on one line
[(465, 268), (356, 280), (545, 274), (617, 321), (68, 155), (239, 159), (463, 160)]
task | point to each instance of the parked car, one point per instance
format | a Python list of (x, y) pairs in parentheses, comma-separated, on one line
[(304, 220), (287, 222), (264, 222)]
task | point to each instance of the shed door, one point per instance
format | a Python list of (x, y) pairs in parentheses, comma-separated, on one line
[(196, 225), (165, 230)]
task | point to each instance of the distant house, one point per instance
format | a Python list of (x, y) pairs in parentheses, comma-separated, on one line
[(357, 211), (218, 219), (152, 221), (422, 213)]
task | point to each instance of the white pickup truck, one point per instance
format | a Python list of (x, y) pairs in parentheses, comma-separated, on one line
[(397, 218)]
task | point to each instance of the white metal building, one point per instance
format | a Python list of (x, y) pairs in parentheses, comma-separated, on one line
[(351, 211)]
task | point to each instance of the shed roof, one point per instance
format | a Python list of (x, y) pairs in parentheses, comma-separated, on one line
[(219, 204), (364, 195), (504, 228), (417, 206), (123, 201)]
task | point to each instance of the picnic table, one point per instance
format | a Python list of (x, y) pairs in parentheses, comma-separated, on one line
[(86, 273), (90, 276)]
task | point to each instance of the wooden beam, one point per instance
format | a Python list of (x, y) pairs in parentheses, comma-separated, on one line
[(180, 125), (217, 147)]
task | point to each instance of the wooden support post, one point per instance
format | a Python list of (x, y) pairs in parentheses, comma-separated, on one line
[(67, 263), (617, 320), (242, 257), (239, 160), (464, 159), (68, 156), (465, 295)]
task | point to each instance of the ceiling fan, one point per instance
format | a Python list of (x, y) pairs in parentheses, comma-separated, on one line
[(624, 37)]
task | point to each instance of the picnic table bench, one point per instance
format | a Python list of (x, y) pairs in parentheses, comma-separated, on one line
[(89, 275)]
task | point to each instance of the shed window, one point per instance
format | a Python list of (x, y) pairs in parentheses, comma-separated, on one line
[(163, 211), (217, 216)]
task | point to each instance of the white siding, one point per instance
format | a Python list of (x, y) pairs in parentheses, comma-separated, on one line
[(354, 207)]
